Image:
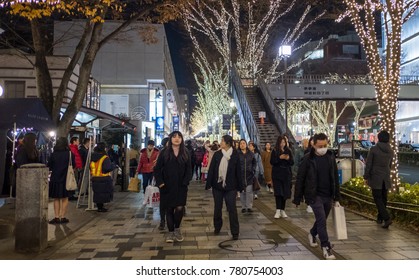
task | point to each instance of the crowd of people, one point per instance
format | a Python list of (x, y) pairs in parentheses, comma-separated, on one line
[(231, 170)]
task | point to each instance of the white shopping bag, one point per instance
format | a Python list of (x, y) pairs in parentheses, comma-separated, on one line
[(152, 197), (339, 222)]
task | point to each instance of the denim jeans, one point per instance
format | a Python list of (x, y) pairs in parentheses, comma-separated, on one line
[(321, 209), (246, 197)]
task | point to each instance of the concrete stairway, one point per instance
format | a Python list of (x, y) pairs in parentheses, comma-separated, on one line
[(267, 131)]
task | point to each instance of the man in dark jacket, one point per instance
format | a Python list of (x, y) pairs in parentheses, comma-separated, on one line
[(317, 182), (225, 180), (377, 175)]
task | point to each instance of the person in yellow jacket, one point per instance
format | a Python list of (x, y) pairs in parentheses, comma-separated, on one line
[(100, 170)]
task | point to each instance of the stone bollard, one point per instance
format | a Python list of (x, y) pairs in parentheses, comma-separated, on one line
[(31, 230)]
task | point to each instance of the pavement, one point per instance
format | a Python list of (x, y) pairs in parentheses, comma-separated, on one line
[(129, 231)]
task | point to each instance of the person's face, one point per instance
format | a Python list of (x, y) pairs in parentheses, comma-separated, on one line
[(251, 148), (150, 147), (320, 144), (268, 146), (283, 143), (176, 140), (223, 144), (243, 145), (76, 142)]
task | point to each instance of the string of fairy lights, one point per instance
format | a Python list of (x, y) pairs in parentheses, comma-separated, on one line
[(384, 70), (14, 2)]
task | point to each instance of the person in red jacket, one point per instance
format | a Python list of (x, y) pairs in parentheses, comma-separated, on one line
[(74, 148), (148, 158)]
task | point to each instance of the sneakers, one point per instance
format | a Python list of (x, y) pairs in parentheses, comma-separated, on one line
[(277, 214), (256, 196), (309, 209), (178, 235), (161, 226), (170, 237), (271, 190), (312, 240), (327, 253), (283, 214), (387, 223), (64, 221)]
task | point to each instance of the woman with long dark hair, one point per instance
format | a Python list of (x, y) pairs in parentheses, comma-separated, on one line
[(173, 173), (267, 167), (58, 165), (281, 161), (28, 153), (224, 178)]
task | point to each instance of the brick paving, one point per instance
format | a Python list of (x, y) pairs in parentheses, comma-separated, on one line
[(130, 232)]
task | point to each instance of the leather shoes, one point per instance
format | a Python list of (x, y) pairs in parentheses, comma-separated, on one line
[(387, 223), (243, 210), (235, 236), (216, 231), (102, 210)]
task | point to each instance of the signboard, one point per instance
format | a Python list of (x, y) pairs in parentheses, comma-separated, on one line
[(345, 150), (175, 123), (160, 123)]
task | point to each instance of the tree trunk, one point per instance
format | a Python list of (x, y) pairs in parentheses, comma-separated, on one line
[(43, 77)]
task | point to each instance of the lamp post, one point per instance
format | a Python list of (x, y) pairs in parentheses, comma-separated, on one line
[(285, 52)]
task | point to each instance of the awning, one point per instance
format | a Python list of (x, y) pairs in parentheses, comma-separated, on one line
[(87, 115), (26, 113)]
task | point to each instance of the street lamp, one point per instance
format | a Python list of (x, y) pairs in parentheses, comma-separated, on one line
[(285, 52)]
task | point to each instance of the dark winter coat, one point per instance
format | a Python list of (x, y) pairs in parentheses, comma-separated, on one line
[(306, 184), (83, 153), (248, 167), (281, 172), (173, 176), (58, 165), (23, 158), (378, 166), (233, 176), (102, 186)]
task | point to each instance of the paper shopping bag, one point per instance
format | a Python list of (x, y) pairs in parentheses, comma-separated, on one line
[(339, 222), (134, 184)]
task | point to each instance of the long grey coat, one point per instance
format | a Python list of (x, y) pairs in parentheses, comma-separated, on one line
[(377, 169)]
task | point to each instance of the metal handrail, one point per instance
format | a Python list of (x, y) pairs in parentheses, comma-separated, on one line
[(279, 120), (239, 94), (328, 79), (372, 203)]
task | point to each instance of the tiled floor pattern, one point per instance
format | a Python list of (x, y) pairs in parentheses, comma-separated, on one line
[(130, 232)]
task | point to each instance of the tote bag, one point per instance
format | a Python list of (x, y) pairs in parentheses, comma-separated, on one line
[(339, 222), (134, 184), (70, 182)]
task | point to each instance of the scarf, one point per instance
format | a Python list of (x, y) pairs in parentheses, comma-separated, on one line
[(222, 169)]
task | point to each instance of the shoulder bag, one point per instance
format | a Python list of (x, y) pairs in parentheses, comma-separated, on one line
[(70, 182)]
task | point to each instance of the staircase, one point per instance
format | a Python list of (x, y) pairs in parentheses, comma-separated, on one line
[(267, 131)]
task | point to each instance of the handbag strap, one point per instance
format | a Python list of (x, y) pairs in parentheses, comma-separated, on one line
[(70, 162)]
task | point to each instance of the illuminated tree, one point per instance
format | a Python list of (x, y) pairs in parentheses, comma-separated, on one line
[(358, 107), (384, 70), (91, 41)]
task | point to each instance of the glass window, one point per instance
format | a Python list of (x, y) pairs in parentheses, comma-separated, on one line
[(14, 89)]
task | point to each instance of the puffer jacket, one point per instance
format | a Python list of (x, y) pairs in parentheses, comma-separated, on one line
[(147, 164), (306, 184), (377, 169), (248, 167)]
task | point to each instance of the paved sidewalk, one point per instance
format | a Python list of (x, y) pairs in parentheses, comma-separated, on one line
[(129, 231)]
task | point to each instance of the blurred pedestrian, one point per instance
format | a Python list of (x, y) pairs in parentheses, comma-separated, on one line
[(225, 180), (148, 159), (248, 169), (101, 167), (173, 173), (58, 165), (377, 175), (267, 167), (318, 183), (281, 161)]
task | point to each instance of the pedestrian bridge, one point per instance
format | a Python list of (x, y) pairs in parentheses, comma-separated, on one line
[(316, 87)]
